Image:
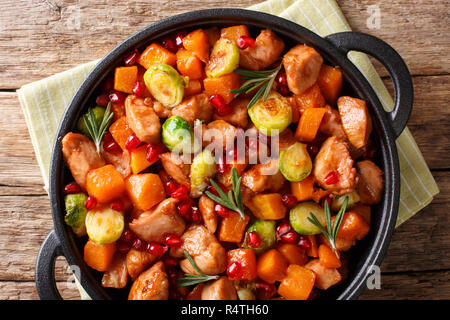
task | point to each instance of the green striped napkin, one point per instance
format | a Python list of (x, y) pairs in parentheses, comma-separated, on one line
[(43, 102)]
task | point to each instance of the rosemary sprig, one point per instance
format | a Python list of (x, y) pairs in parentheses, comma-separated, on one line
[(97, 132), (332, 230), (232, 200), (255, 79), (191, 279)]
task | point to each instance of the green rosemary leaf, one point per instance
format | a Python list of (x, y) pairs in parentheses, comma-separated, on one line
[(96, 133), (313, 219), (191, 279), (339, 217)]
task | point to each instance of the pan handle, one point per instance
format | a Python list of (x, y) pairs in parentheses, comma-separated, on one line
[(45, 268), (403, 86)]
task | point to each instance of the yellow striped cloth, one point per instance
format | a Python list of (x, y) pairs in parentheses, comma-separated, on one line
[(43, 102)]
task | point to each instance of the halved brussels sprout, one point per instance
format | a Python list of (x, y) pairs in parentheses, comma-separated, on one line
[(338, 201), (224, 58), (76, 212), (178, 136), (165, 84), (104, 225), (266, 231), (272, 116), (245, 294), (98, 115), (203, 167), (295, 163), (298, 217)]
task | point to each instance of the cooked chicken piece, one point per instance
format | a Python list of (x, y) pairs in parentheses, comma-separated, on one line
[(142, 119), (120, 160), (206, 207), (152, 225), (356, 120), (331, 124), (116, 276), (137, 261), (220, 289), (239, 116), (370, 183), (193, 108), (176, 168), (341, 243), (196, 293), (268, 48), (207, 252), (335, 157), (81, 156), (160, 110), (220, 133), (325, 277), (225, 178), (302, 65), (263, 177), (151, 284)]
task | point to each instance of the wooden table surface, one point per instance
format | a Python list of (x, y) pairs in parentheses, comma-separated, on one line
[(42, 37)]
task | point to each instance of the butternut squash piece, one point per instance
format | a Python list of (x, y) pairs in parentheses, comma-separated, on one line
[(295, 109), (271, 266), (98, 256), (189, 65), (145, 190), (298, 283), (233, 33), (156, 54), (312, 250), (325, 277), (328, 257), (353, 226), (268, 206), (309, 124), (194, 87), (311, 98), (105, 183), (125, 78), (303, 190), (138, 159), (232, 227), (120, 131), (247, 259), (293, 253), (330, 83), (355, 120), (222, 85), (198, 43)]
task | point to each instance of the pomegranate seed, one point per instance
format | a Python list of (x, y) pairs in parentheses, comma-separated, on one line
[(212, 190), (221, 211), (312, 150), (139, 89), (235, 270), (153, 152), (124, 248), (116, 97), (283, 90), (72, 187), (185, 209), (180, 193), (221, 166), (131, 57), (289, 200), (169, 44), (332, 178), (90, 203), (282, 228), (117, 205), (112, 147), (328, 199), (127, 236), (171, 186), (254, 240), (196, 217), (138, 244), (289, 237), (179, 39), (265, 291), (304, 242), (132, 142), (102, 100), (172, 240), (281, 79), (108, 85), (170, 261), (107, 137), (219, 104), (244, 42), (155, 249)]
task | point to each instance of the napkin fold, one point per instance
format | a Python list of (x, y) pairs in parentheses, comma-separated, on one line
[(44, 102)]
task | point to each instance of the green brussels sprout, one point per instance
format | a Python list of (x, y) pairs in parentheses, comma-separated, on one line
[(272, 116), (178, 136), (203, 167), (298, 217), (224, 58), (295, 163), (245, 294), (266, 231), (76, 212), (104, 225), (245, 290), (165, 84), (338, 201), (98, 114)]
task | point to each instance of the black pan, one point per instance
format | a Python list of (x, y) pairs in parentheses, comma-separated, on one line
[(334, 48)]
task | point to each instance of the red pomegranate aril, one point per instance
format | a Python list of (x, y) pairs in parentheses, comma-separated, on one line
[(170, 261), (116, 205), (138, 244), (281, 79), (173, 241), (332, 178), (72, 187), (312, 150), (179, 39), (283, 228), (289, 200), (127, 236), (107, 137), (304, 242), (116, 97), (108, 85), (124, 248), (90, 203), (169, 44), (219, 104), (221, 211), (289, 237), (181, 192), (185, 209), (171, 186), (132, 142), (112, 146), (284, 90), (265, 291), (212, 190), (131, 57), (153, 152), (244, 42), (155, 249), (195, 215), (235, 270), (254, 240), (139, 89), (221, 166), (102, 100)]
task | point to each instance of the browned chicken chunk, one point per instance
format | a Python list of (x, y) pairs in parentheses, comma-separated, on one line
[(206, 207), (151, 284), (81, 156), (120, 160), (263, 177), (137, 261), (325, 277), (302, 65), (176, 168), (220, 289), (268, 48), (116, 276), (142, 119), (154, 224), (239, 115), (356, 120), (370, 183), (331, 124), (193, 108), (334, 158), (220, 133)]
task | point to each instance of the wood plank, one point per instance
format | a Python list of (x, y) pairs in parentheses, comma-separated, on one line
[(17, 290), (43, 38)]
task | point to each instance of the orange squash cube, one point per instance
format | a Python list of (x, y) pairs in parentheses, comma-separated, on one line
[(268, 206), (145, 190), (198, 43), (105, 183), (353, 226), (232, 227), (138, 159), (328, 258), (303, 190), (125, 78), (298, 283), (293, 253), (120, 131), (98, 256), (363, 210), (194, 87), (312, 251), (233, 33), (311, 98), (309, 124), (156, 54), (189, 65), (222, 85), (330, 83), (271, 266), (247, 259)]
